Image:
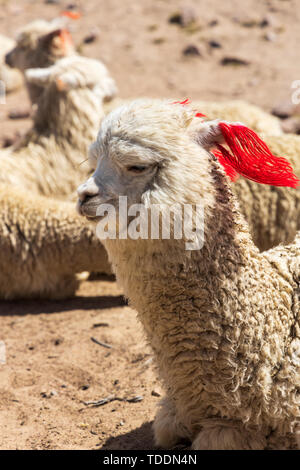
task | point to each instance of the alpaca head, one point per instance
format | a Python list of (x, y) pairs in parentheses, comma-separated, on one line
[(40, 44), (158, 152), (152, 152)]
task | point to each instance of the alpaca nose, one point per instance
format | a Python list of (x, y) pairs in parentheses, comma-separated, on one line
[(87, 190)]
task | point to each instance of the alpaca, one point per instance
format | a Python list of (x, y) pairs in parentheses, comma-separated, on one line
[(48, 158), (223, 320), (40, 44), (43, 245), (273, 213), (239, 110), (266, 208), (11, 78), (234, 110)]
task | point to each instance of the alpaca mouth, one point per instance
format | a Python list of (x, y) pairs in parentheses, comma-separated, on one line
[(88, 207)]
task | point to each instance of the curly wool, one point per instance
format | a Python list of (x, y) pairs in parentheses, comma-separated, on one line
[(43, 244), (273, 213), (223, 321)]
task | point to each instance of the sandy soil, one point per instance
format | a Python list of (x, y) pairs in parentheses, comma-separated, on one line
[(53, 367)]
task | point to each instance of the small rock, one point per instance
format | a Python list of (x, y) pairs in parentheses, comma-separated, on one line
[(213, 23), (19, 113), (188, 16), (191, 50), (84, 387), (268, 20), (71, 6), (270, 36), (158, 40), (215, 44), (101, 324), (249, 22), (291, 125), (83, 425), (234, 61), (122, 423), (284, 109), (52, 2), (155, 393), (52, 393), (92, 37), (184, 17)]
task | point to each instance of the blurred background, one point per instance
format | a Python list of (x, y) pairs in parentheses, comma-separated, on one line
[(204, 50)]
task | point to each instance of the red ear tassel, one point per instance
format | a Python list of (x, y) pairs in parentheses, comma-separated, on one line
[(187, 102), (250, 157), (229, 170)]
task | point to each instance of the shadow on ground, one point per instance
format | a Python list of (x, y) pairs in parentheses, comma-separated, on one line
[(138, 439), (25, 307)]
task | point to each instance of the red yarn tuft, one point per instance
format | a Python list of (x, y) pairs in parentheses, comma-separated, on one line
[(250, 157), (200, 115), (229, 170), (184, 103), (187, 102)]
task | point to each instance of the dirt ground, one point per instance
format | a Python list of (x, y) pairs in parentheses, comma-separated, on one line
[(53, 367)]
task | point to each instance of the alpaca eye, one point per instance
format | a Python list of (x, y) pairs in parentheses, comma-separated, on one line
[(136, 168)]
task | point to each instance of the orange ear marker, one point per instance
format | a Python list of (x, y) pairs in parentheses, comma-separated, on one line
[(66, 39), (60, 84), (73, 15)]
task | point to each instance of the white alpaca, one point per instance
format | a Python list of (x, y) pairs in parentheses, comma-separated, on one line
[(43, 245), (223, 321), (49, 158), (233, 110), (39, 44)]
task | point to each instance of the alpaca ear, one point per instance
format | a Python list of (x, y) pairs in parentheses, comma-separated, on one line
[(248, 155), (59, 40), (37, 76), (209, 134)]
